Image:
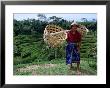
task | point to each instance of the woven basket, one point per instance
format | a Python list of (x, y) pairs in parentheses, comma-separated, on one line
[(54, 35)]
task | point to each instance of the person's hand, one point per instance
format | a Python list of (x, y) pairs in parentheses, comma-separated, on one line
[(78, 46)]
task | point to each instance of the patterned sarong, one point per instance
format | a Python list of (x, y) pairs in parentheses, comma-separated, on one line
[(72, 54)]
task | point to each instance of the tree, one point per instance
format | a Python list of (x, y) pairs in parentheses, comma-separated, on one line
[(42, 17), (84, 19), (55, 19), (94, 20)]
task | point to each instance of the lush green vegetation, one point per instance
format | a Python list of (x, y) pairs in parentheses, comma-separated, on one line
[(33, 57)]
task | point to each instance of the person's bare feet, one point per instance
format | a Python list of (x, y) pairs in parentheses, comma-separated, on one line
[(78, 72), (70, 67)]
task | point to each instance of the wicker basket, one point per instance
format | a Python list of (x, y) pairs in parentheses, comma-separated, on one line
[(54, 35)]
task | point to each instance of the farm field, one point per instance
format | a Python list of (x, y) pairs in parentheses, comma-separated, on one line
[(37, 59), (32, 56)]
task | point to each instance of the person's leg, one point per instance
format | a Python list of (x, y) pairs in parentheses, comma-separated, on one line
[(69, 66), (68, 56), (78, 59), (78, 68)]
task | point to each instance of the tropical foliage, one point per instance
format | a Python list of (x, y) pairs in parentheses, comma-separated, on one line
[(30, 49)]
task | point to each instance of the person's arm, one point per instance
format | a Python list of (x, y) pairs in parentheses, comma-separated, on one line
[(78, 46), (79, 41), (79, 37), (67, 36)]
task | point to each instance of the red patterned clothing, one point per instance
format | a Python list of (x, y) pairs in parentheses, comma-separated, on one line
[(73, 38)]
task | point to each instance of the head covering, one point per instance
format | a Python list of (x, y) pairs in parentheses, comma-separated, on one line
[(74, 23)]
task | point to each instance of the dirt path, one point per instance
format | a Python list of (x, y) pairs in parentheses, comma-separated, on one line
[(33, 68)]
